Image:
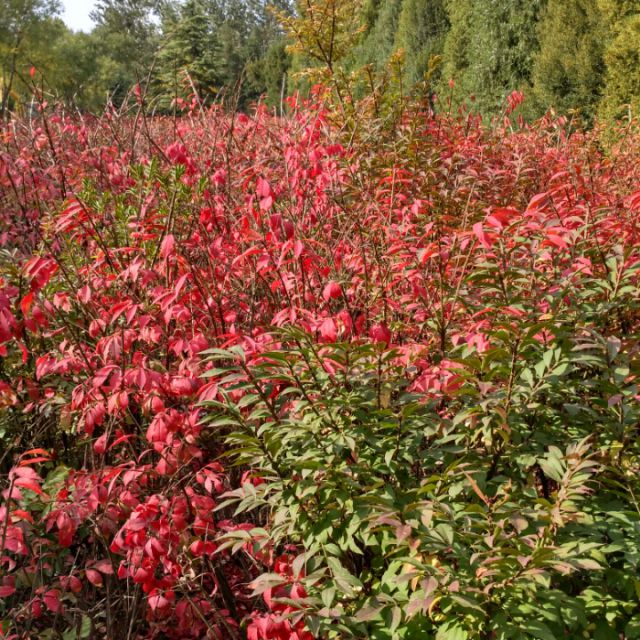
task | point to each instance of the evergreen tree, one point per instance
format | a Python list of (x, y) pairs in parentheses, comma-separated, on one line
[(261, 60), (379, 42), (490, 48), (370, 12), (568, 71), (268, 66), (422, 29), (239, 36), (622, 57), (274, 72), (190, 56), (225, 48), (457, 55)]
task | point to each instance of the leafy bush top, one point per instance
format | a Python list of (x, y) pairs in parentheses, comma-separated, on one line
[(416, 411)]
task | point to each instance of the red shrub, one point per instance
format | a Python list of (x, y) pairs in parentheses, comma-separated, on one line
[(131, 246)]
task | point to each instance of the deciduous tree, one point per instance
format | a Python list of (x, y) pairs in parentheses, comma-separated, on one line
[(19, 20)]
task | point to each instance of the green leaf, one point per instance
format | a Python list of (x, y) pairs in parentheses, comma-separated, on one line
[(466, 601), (451, 631), (75, 633), (328, 596), (537, 629), (443, 532), (342, 577)]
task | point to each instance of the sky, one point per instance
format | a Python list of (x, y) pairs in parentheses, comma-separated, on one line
[(76, 14)]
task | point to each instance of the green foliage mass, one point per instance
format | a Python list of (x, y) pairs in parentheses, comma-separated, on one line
[(573, 56), (622, 59), (568, 72), (21, 30), (222, 48), (490, 49), (379, 42), (415, 27), (511, 514), (218, 47), (191, 53), (126, 37), (422, 29)]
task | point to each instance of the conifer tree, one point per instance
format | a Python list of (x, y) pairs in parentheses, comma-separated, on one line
[(422, 29), (228, 48), (457, 47), (127, 37), (568, 71), (622, 58), (379, 42), (191, 49), (268, 62), (490, 48), (274, 72)]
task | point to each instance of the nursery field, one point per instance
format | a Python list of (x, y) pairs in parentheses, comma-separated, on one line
[(266, 378)]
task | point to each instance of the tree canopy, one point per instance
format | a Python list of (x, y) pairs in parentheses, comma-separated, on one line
[(574, 56)]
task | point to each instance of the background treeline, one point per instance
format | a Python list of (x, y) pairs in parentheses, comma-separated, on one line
[(232, 48), (578, 56)]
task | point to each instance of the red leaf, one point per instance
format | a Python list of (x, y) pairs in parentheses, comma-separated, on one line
[(380, 333), (36, 452), (251, 251), (263, 188), (118, 309), (20, 514), (121, 439), (158, 602), (538, 202), (25, 353), (25, 463), (557, 240), (7, 590), (328, 330), (94, 577), (66, 529), (71, 583), (481, 235), (84, 294), (52, 600), (180, 283), (266, 203), (104, 566), (100, 445), (166, 248), (73, 216), (32, 485), (331, 291), (26, 302)]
